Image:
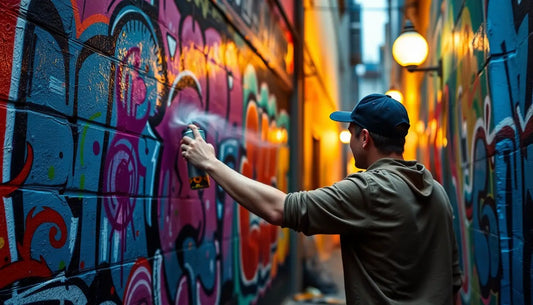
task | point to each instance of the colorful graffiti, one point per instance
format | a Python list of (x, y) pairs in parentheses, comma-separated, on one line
[(481, 132), (96, 206)]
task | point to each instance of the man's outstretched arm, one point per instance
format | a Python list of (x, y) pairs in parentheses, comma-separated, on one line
[(261, 199)]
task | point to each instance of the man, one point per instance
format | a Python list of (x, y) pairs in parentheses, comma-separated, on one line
[(395, 221)]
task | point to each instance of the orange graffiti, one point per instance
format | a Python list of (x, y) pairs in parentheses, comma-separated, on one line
[(260, 164), (81, 26)]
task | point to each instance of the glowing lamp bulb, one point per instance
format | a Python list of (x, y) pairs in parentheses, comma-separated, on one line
[(345, 136), (410, 49)]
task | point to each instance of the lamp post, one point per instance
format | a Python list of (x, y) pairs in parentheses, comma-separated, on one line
[(411, 49)]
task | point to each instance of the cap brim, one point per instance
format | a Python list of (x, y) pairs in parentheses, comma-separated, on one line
[(341, 116)]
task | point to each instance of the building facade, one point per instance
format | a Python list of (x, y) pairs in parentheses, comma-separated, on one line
[(473, 128), (96, 200), (96, 203)]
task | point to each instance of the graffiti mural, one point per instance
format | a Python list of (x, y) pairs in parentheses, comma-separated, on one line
[(96, 206), (481, 130)]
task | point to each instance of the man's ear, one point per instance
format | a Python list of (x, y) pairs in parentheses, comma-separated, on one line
[(365, 137)]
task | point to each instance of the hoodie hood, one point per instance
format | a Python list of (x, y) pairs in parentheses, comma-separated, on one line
[(417, 177)]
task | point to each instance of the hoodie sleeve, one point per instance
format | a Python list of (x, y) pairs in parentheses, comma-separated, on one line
[(336, 209)]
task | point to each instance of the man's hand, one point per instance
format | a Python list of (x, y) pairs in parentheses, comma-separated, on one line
[(261, 199), (197, 150)]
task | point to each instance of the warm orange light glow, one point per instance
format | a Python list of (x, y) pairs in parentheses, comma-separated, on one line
[(281, 135), (278, 135), (193, 59), (231, 56), (457, 38), (345, 136), (433, 126), (289, 58), (440, 138), (420, 127), (395, 94), (350, 166)]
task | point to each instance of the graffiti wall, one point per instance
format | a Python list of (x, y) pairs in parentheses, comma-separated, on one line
[(96, 205), (479, 127)]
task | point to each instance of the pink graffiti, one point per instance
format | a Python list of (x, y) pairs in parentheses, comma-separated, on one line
[(130, 92)]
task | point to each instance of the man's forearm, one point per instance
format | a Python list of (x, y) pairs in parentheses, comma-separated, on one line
[(259, 198)]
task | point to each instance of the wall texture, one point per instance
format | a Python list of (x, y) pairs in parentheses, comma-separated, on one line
[(94, 95), (475, 131)]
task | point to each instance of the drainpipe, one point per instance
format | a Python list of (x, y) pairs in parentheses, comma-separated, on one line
[(296, 136)]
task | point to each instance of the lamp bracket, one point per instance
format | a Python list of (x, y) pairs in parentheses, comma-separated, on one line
[(437, 69)]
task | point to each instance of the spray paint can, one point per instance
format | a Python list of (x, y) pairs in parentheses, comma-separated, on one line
[(198, 179)]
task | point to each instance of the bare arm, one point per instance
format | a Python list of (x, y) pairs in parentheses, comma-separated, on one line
[(261, 199)]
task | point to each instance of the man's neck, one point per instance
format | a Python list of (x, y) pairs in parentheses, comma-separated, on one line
[(381, 156)]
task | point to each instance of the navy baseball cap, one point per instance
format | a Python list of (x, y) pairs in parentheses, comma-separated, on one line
[(379, 113)]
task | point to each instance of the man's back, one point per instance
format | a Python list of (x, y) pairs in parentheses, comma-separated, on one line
[(396, 232)]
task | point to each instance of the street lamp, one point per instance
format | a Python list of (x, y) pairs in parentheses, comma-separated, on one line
[(411, 49), (345, 136), (395, 94)]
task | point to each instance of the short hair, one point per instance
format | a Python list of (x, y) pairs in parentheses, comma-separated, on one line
[(386, 145)]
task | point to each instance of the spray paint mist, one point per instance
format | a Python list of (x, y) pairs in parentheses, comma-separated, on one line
[(189, 113)]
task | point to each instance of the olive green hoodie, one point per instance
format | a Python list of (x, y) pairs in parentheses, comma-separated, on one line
[(397, 239)]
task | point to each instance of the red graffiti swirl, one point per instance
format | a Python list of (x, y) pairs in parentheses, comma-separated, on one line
[(27, 266)]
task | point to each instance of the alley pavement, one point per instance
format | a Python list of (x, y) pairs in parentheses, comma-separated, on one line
[(313, 295)]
